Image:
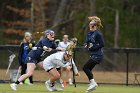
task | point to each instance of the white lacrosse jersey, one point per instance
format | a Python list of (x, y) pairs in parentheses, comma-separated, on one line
[(55, 60), (63, 44)]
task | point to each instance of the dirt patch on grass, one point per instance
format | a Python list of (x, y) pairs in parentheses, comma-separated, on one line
[(101, 77)]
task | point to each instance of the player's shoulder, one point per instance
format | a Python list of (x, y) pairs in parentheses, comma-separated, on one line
[(59, 55), (99, 33), (61, 43)]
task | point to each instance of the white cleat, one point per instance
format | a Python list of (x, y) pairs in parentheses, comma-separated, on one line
[(91, 88), (54, 88), (30, 84), (13, 86), (47, 84)]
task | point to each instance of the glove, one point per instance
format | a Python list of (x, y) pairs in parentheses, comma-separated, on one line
[(34, 48), (90, 45), (45, 48)]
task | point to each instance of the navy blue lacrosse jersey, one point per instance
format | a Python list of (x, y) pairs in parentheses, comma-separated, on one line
[(43, 42), (95, 42)]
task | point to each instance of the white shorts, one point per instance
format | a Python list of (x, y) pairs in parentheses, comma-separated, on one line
[(48, 65)]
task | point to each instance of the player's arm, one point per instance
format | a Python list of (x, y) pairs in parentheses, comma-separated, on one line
[(44, 46)]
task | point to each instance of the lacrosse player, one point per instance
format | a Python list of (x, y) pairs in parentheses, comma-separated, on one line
[(25, 47), (54, 61), (63, 45), (94, 43), (35, 56)]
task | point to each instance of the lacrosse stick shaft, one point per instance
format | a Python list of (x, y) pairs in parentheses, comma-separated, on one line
[(11, 58), (73, 73), (19, 70), (8, 68)]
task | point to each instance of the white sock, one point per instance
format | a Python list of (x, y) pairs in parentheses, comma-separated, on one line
[(70, 80), (92, 81)]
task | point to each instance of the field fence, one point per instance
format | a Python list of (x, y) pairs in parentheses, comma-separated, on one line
[(120, 66)]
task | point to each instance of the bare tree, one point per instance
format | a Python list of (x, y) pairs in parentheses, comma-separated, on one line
[(91, 13), (92, 7), (116, 29), (42, 14), (60, 13), (32, 16)]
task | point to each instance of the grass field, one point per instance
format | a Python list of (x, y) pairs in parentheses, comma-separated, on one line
[(40, 88)]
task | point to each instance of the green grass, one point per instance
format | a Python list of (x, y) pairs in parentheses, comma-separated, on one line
[(40, 88)]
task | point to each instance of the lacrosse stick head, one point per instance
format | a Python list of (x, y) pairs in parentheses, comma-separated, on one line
[(11, 57)]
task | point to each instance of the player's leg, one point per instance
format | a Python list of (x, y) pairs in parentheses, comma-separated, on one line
[(54, 75), (88, 66), (88, 70), (60, 80), (23, 70), (40, 64), (31, 80), (30, 70), (69, 77)]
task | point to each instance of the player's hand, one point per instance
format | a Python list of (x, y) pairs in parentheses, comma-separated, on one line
[(68, 68), (77, 74), (34, 48), (45, 48), (49, 50), (85, 45)]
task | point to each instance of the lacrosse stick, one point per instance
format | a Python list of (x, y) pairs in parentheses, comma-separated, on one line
[(70, 48), (74, 82), (11, 58)]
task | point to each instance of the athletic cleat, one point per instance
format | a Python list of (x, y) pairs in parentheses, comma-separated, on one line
[(54, 88), (13, 86), (96, 84), (48, 86), (91, 88), (59, 89)]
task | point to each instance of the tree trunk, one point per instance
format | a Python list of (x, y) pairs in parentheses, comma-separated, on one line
[(116, 29), (60, 14), (92, 7), (42, 14), (91, 13), (32, 16)]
